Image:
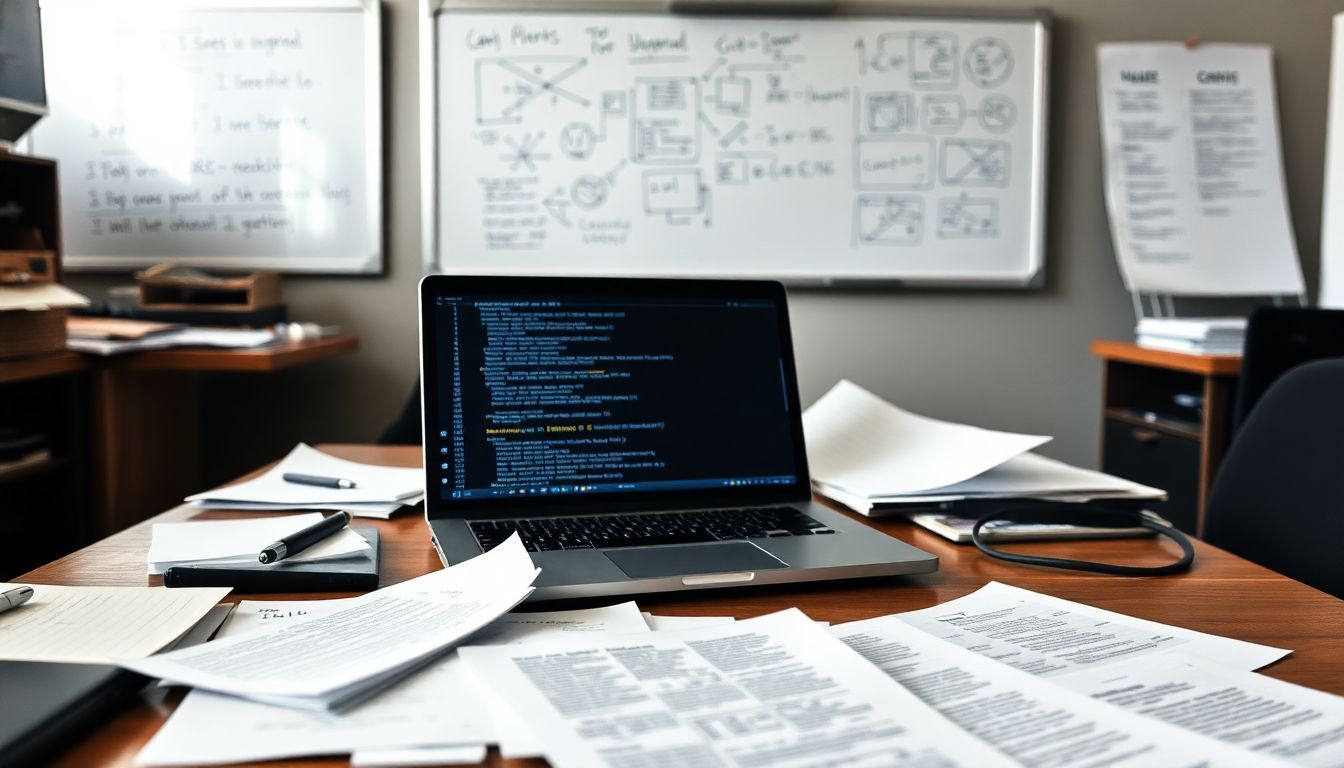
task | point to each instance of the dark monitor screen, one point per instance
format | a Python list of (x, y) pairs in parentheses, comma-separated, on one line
[(580, 396), (21, 77)]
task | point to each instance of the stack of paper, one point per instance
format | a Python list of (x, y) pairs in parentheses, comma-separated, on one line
[(1193, 335), (379, 490), (878, 459), (229, 542), (100, 343), (331, 662)]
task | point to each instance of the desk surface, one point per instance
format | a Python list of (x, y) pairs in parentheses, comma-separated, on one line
[(1223, 594)]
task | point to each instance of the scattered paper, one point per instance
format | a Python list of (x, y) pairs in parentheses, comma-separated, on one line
[(674, 623), (415, 757), (374, 483), (98, 625), (1031, 720), (329, 662), (226, 338), (224, 542), (1048, 636), (771, 691), (860, 443), (1194, 176), (382, 510), (1268, 716), (204, 629), (437, 706)]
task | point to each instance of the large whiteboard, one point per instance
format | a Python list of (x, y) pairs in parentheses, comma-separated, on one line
[(233, 134), (811, 149)]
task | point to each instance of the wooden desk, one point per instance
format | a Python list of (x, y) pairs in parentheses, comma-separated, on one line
[(146, 417), (1223, 594)]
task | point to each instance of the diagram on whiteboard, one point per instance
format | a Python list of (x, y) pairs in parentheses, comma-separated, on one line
[(648, 144)]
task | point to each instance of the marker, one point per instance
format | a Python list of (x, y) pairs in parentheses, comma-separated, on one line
[(14, 597), (319, 480), (295, 543)]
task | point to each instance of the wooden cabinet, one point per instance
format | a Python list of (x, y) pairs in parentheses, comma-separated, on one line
[(1165, 418)]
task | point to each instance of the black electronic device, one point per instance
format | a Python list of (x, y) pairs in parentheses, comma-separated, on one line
[(358, 573)]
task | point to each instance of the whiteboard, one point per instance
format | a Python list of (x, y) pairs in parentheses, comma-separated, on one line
[(227, 135), (817, 149)]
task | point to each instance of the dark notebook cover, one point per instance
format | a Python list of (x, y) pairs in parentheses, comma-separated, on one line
[(44, 705), (347, 574)]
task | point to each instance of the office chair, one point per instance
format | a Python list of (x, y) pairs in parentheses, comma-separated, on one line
[(406, 428), (1279, 496), (1278, 339)]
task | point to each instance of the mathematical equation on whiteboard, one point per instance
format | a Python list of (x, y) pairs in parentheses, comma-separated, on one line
[(217, 133), (603, 131)]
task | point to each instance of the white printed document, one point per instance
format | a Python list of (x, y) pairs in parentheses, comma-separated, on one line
[(1194, 174), (1034, 721), (435, 708), (374, 484), (224, 542), (327, 662), (861, 444), (1048, 636), (771, 691), (1268, 716), (97, 625)]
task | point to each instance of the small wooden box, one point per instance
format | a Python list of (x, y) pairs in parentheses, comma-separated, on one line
[(160, 288), (25, 258), (24, 333)]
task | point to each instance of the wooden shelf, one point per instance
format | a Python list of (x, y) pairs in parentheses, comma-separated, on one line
[(40, 366), (1168, 427), (1204, 365)]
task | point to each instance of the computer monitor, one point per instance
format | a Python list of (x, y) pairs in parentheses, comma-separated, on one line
[(23, 89)]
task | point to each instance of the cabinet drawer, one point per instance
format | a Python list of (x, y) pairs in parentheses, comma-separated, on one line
[(1159, 459)]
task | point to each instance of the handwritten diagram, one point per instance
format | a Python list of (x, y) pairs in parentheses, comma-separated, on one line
[(648, 144)]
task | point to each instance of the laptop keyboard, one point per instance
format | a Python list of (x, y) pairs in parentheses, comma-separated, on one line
[(610, 531)]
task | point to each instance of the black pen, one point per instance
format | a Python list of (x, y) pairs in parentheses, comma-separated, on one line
[(325, 482), (295, 543)]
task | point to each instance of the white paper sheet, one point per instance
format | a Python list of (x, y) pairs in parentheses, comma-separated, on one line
[(97, 625), (1194, 176), (226, 338), (776, 690), (676, 623), (328, 661), (422, 756), (1271, 717), (1034, 721), (437, 706), (381, 510), (858, 442), (39, 296), (1048, 636), (374, 483), (220, 542)]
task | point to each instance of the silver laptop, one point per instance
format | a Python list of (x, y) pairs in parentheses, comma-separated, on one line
[(641, 435)]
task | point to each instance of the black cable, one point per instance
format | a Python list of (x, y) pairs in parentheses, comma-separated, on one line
[(1092, 515)]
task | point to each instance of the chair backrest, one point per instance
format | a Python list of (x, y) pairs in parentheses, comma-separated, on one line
[(1279, 339), (406, 429), (1279, 496)]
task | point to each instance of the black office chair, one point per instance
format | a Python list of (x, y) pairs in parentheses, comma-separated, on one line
[(406, 428), (1279, 496), (1279, 339)]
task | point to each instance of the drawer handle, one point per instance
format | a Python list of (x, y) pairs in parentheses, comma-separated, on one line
[(1145, 436)]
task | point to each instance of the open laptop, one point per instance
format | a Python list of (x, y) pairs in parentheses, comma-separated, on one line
[(642, 435)]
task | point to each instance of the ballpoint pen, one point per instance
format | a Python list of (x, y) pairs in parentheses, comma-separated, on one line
[(319, 480), (14, 597), (293, 544)]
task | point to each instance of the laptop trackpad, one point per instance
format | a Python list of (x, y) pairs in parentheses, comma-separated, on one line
[(685, 559)]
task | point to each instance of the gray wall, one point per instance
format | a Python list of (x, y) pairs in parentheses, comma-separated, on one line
[(1013, 360)]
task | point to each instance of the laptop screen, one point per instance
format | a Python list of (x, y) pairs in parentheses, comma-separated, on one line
[(590, 390)]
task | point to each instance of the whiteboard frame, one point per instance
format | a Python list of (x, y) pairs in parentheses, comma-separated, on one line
[(1033, 278), (362, 264)]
